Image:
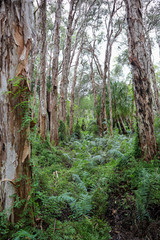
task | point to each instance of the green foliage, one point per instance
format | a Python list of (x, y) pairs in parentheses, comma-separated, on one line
[(78, 190), (19, 97), (5, 226), (62, 131), (93, 127), (148, 192), (77, 131)]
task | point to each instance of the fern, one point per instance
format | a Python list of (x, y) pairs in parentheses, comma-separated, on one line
[(22, 235)]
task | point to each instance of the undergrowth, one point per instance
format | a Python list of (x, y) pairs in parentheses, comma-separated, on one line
[(87, 189)]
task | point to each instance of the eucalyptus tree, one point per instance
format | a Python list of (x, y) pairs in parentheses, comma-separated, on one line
[(43, 92), (141, 81), (112, 33), (78, 12), (73, 87), (54, 91), (71, 22), (15, 43)]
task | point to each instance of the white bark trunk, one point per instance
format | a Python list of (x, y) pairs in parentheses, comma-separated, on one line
[(43, 90), (54, 92), (15, 34)]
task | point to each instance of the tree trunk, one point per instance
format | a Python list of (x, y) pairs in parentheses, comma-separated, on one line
[(122, 125), (43, 98), (34, 96), (72, 90), (141, 82), (158, 38), (110, 100), (49, 95), (94, 93), (103, 106), (110, 40), (152, 73), (119, 129), (15, 33), (54, 92), (79, 87), (66, 61)]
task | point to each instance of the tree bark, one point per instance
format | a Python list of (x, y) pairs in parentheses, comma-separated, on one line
[(66, 61), (94, 94), (54, 92), (141, 82), (122, 125), (152, 73), (110, 40), (15, 33), (79, 87), (34, 96), (73, 88), (110, 100), (43, 92)]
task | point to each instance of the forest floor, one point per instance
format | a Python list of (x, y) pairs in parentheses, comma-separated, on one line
[(97, 189), (90, 189)]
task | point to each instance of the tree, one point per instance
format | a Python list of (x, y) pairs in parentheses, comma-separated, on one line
[(15, 44), (112, 34), (66, 60), (54, 93), (73, 89), (43, 92), (141, 82)]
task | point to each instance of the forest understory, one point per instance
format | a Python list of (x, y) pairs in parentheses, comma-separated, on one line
[(90, 188)]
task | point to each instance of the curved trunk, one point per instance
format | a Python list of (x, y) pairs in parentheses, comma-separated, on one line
[(141, 82), (15, 29)]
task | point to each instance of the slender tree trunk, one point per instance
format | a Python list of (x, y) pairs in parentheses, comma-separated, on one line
[(157, 38), (152, 73), (72, 90), (122, 125), (43, 92), (79, 87), (110, 40), (94, 92), (110, 100), (141, 82), (34, 96), (119, 129), (54, 92), (49, 96), (15, 43), (66, 61), (103, 106)]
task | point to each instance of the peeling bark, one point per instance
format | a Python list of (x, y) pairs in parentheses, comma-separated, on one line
[(141, 82), (15, 44)]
